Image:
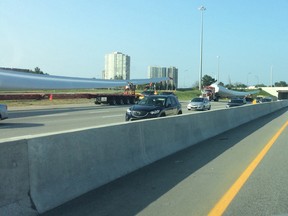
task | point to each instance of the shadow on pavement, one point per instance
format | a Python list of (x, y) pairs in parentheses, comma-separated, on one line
[(19, 125), (132, 193)]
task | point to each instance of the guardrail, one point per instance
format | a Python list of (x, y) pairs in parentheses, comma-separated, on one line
[(40, 173)]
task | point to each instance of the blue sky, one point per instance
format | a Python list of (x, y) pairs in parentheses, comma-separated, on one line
[(71, 37)]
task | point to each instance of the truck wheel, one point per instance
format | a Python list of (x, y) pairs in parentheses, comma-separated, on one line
[(97, 100), (126, 101), (112, 101), (132, 100), (120, 101)]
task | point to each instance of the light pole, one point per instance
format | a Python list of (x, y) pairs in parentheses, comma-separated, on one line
[(271, 76), (202, 9), (218, 69), (257, 77), (248, 79)]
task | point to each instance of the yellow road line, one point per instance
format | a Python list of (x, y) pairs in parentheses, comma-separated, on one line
[(224, 202)]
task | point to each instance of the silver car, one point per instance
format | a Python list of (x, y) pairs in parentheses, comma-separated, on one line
[(199, 103), (3, 111)]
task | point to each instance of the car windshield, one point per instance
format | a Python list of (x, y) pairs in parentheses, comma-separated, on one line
[(153, 101), (197, 99)]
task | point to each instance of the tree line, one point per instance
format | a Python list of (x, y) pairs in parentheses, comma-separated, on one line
[(37, 70)]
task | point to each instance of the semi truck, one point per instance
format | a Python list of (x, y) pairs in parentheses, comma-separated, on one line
[(215, 92), (209, 92)]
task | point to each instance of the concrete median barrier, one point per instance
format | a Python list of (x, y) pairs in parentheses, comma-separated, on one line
[(47, 171), (14, 177)]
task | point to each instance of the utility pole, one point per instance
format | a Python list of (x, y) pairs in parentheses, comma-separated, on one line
[(202, 9)]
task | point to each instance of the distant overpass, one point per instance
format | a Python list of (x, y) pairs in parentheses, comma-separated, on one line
[(275, 91)]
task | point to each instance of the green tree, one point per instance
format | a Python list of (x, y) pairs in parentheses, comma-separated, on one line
[(38, 71), (281, 84), (221, 83), (229, 86), (207, 80), (240, 85)]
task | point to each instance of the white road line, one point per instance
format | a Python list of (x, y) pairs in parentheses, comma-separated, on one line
[(112, 116), (92, 112), (51, 115)]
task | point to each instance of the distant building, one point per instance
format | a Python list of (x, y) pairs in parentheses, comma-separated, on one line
[(156, 72), (171, 72), (117, 66)]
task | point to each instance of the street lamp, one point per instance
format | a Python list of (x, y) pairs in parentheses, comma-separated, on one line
[(202, 9), (248, 79), (218, 69), (257, 77), (271, 76)]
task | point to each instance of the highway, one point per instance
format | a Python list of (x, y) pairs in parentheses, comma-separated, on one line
[(243, 171), (42, 120)]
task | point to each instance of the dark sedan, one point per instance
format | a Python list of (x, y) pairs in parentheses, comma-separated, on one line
[(266, 99), (236, 102), (154, 106)]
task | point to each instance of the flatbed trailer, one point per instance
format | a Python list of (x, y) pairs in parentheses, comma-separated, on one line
[(100, 98), (115, 99)]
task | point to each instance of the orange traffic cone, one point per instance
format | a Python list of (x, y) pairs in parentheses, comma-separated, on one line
[(51, 97)]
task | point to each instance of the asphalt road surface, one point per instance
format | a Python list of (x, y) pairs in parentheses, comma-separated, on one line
[(50, 119), (243, 171)]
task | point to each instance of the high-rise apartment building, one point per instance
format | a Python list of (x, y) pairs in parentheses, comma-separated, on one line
[(156, 72), (117, 66), (172, 72)]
